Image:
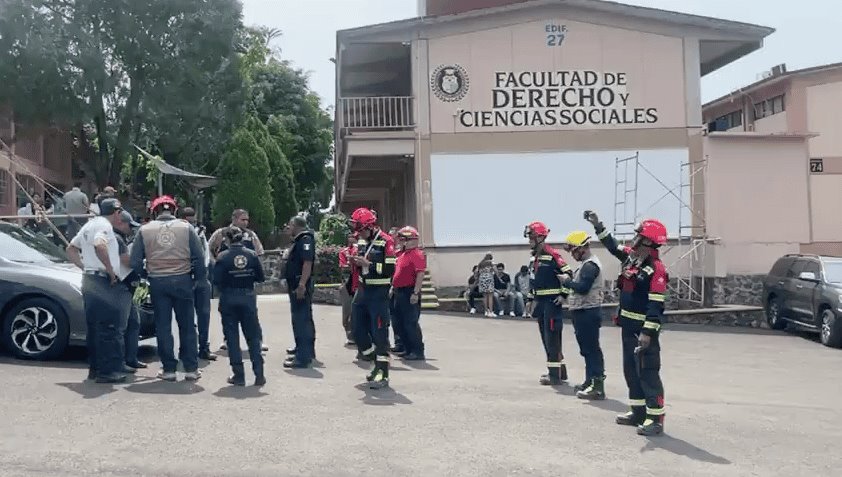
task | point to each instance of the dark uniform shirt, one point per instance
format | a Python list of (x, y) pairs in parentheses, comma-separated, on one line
[(303, 250), (381, 253), (547, 266), (238, 268)]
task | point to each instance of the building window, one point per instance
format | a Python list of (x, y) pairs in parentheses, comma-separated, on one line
[(728, 121), (768, 107), (4, 187)]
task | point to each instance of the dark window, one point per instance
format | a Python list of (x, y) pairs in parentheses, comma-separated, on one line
[(796, 269), (781, 267), (769, 107), (730, 120), (813, 266)]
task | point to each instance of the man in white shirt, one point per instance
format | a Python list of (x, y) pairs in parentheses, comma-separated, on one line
[(95, 250)]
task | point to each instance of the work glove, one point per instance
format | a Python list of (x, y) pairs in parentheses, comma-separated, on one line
[(141, 293)]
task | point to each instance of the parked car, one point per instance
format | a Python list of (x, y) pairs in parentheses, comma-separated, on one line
[(41, 308), (806, 290)]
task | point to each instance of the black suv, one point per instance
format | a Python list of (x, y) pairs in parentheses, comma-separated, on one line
[(806, 290)]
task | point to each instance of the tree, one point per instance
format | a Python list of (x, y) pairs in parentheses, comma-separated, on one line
[(161, 72), (244, 183), (281, 177), (334, 230)]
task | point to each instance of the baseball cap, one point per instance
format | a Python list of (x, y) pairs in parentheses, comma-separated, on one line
[(109, 206), (127, 218)]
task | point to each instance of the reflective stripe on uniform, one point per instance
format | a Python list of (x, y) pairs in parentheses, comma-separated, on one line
[(657, 297), (370, 350), (545, 257), (377, 281), (547, 292), (603, 234), (390, 260), (637, 402), (632, 315), (651, 325), (378, 268), (649, 270), (383, 359), (566, 268), (655, 411), (554, 365), (567, 290), (379, 243)]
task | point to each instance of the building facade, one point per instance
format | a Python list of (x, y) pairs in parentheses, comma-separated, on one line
[(470, 124), (39, 153)]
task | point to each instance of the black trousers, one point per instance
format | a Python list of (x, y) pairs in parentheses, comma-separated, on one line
[(586, 324), (549, 317), (406, 317), (642, 371), (239, 310), (370, 319)]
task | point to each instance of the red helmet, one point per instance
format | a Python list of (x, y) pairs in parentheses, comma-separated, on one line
[(536, 228), (363, 218), (165, 201), (408, 233), (653, 230)]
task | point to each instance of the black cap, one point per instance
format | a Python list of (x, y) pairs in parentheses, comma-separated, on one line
[(126, 217), (109, 206)]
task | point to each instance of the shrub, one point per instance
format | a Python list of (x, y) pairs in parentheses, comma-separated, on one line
[(327, 265), (334, 230)]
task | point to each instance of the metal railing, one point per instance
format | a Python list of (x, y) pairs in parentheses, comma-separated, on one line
[(378, 112)]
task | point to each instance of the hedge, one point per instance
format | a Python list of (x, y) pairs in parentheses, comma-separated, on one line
[(327, 265)]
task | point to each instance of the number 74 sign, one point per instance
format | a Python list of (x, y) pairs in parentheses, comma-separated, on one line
[(555, 34), (816, 165)]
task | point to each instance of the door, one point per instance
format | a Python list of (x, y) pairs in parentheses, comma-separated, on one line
[(803, 290)]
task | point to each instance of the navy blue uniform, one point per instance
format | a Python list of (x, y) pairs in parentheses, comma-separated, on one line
[(235, 273), (546, 288), (303, 250)]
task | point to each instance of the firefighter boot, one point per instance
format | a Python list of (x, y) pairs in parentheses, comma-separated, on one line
[(594, 392), (635, 417), (380, 377), (652, 426), (583, 386), (562, 372)]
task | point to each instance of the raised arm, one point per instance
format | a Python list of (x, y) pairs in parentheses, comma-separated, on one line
[(605, 237)]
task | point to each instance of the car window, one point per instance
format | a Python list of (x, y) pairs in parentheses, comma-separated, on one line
[(833, 271), (813, 266), (796, 268), (781, 267), (20, 245)]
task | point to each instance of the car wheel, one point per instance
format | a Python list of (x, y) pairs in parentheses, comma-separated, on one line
[(36, 328), (773, 314), (831, 332)]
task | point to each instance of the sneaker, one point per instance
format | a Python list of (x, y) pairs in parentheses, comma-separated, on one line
[(473, 311), (193, 375), (167, 376), (511, 313), (501, 313), (264, 347)]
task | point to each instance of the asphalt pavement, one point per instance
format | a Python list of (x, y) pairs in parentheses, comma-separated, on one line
[(747, 404)]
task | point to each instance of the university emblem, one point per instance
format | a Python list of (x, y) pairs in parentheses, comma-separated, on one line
[(449, 83), (240, 262)]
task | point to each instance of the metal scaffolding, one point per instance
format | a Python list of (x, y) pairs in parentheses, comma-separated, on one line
[(691, 240)]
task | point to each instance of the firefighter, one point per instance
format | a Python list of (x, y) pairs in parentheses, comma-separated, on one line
[(585, 302), (406, 293), (376, 263), (236, 271), (642, 285), (548, 295)]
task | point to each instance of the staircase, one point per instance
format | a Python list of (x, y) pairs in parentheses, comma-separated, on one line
[(429, 300)]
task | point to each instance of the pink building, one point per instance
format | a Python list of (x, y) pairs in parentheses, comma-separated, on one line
[(480, 116)]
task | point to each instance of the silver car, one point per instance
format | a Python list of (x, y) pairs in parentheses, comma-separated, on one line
[(41, 307)]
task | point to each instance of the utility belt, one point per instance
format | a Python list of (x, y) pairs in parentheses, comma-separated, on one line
[(237, 290)]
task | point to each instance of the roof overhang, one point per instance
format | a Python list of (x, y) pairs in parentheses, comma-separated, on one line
[(721, 41), (757, 135)]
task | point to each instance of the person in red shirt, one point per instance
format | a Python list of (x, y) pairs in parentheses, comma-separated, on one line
[(406, 290), (350, 279)]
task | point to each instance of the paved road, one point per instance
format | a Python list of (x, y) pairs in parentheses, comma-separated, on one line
[(738, 404)]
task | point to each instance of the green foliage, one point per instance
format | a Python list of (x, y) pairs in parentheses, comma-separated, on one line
[(141, 173), (244, 184), (281, 178), (334, 230), (326, 268)]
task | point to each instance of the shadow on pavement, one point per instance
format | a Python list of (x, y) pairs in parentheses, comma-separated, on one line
[(89, 389), (157, 386), (422, 365), (381, 397), (565, 388), (305, 372), (612, 405), (240, 392), (680, 447)]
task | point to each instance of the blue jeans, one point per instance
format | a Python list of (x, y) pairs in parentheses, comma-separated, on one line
[(239, 309), (132, 335), (586, 324), (202, 302), (170, 294), (106, 317), (303, 327)]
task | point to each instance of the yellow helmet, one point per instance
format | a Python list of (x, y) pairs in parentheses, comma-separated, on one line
[(578, 238)]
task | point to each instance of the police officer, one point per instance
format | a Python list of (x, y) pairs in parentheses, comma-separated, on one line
[(642, 285), (298, 273), (375, 260), (585, 303), (202, 292), (406, 292), (125, 231), (217, 244), (549, 295), (95, 250), (236, 271), (174, 262)]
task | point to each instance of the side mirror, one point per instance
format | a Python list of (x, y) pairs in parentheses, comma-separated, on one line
[(809, 276)]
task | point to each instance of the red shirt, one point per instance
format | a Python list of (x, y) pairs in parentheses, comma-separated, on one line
[(345, 262), (407, 266)]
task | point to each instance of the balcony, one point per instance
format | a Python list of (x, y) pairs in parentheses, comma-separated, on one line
[(377, 113)]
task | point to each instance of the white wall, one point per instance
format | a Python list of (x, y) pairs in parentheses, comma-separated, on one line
[(486, 199)]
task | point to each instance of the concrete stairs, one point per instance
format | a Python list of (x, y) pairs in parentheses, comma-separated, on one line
[(429, 300)]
